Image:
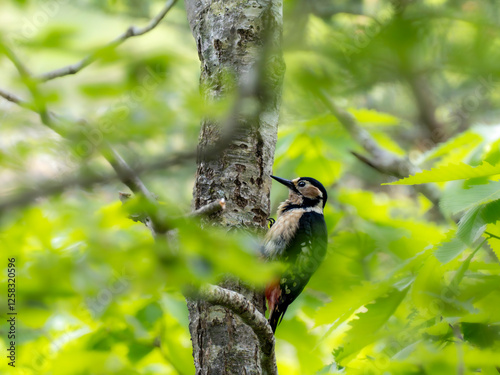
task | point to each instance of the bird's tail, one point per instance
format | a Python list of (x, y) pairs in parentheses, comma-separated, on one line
[(276, 316)]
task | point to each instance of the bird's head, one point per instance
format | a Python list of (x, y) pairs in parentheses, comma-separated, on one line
[(305, 191)]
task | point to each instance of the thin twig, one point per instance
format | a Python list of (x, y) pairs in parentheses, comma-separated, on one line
[(138, 216), (49, 187), (132, 180), (492, 235), (250, 315), (21, 68), (132, 31), (380, 159), (126, 173), (13, 98), (383, 160)]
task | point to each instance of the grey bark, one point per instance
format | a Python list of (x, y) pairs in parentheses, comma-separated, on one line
[(235, 40)]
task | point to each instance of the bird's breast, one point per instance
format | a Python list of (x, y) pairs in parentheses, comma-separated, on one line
[(281, 233), (287, 224)]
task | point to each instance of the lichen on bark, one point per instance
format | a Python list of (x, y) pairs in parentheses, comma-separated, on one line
[(235, 39)]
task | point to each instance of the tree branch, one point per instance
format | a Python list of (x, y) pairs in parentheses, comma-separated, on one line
[(203, 211), (381, 159), (427, 108), (128, 174), (210, 208), (250, 315), (132, 180), (50, 187), (132, 31)]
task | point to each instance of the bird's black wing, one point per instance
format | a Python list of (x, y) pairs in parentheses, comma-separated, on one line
[(305, 253)]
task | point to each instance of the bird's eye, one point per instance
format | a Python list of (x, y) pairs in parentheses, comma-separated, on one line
[(301, 184)]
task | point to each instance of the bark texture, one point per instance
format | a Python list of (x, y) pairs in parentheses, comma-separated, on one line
[(235, 40)]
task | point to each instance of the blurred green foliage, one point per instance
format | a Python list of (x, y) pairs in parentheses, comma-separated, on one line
[(400, 292)]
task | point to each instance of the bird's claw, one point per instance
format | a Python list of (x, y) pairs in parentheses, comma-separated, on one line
[(271, 221)]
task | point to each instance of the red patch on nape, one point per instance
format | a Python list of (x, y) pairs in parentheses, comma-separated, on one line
[(273, 292)]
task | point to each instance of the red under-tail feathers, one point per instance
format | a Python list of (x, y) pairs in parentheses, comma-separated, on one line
[(273, 294)]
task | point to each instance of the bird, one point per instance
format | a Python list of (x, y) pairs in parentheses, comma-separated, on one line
[(299, 239)]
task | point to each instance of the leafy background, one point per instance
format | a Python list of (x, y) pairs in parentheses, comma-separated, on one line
[(405, 288)]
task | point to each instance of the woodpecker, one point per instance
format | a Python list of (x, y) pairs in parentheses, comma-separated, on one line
[(298, 238)]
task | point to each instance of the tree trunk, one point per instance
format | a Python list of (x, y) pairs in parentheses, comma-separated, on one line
[(232, 38)]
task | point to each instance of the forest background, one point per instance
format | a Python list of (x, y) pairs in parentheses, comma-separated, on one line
[(374, 91)]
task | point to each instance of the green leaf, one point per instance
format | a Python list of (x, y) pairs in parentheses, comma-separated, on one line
[(387, 143), (480, 334), (364, 330), (491, 212), (149, 314), (371, 117), (450, 172), (428, 281), (471, 225), (455, 282), (346, 302), (465, 199), (137, 350), (493, 155), (474, 222), (295, 332), (494, 242), (467, 140), (449, 250)]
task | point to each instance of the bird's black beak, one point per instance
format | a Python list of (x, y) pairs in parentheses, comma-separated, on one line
[(289, 184)]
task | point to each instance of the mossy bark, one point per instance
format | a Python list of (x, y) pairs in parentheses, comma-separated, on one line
[(233, 37)]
